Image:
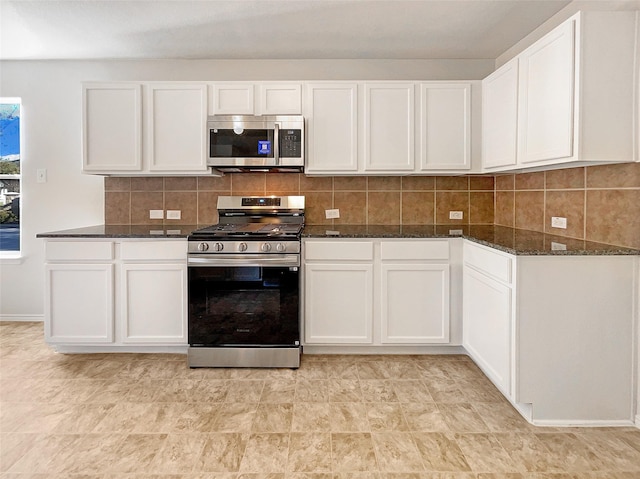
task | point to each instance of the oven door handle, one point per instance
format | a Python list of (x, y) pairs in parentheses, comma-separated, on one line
[(267, 260)]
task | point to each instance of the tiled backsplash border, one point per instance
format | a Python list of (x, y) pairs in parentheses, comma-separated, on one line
[(601, 203)]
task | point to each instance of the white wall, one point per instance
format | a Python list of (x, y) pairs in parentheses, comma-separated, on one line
[(51, 124)]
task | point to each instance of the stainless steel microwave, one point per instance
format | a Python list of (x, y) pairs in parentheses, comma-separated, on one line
[(240, 143)]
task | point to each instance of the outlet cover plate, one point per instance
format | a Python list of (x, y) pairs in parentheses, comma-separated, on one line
[(558, 222), (455, 215), (332, 214)]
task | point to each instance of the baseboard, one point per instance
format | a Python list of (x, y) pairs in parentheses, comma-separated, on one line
[(22, 317), (638, 421), (583, 423)]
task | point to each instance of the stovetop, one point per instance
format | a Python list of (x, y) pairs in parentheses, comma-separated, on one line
[(255, 230)]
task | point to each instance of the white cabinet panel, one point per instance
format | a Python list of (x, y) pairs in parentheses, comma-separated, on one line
[(332, 121), (339, 250), (487, 326), (154, 308), (232, 99), (177, 127), (338, 303), (414, 250), (389, 131), (111, 127), (280, 99), (545, 124), (415, 303), (500, 117), (79, 303), (445, 126)]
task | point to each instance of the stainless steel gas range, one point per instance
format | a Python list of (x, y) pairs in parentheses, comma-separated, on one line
[(244, 283)]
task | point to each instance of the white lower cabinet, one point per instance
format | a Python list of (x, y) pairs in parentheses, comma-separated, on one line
[(553, 333), (145, 321), (376, 292), (487, 318), (115, 293), (339, 303), (79, 303)]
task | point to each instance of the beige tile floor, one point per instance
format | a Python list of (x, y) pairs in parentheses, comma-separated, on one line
[(134, 416)]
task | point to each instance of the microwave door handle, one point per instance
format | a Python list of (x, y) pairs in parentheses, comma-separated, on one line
[(276, 143)]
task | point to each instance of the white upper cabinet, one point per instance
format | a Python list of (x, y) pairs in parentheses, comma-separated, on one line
[(500, 116), (546, 91), (332, 127), (111, 127), (389, 127), (239, 98), (177, 117), (233, 98), (445, 126), (174, 116), (279, 99), (576, 97)]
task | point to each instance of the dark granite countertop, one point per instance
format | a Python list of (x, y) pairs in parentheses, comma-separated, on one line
[(509, 240), (124, 231)]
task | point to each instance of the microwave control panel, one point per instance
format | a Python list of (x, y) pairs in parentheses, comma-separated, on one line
[(290, 143)]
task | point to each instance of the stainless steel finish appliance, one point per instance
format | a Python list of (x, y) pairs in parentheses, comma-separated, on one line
[(244, 284), (240, 143)]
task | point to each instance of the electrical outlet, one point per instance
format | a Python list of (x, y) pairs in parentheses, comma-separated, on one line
[(559, 222), (558, 246), (455, 215), (41, 175), (332, 214), (173, 214), (156, 214)]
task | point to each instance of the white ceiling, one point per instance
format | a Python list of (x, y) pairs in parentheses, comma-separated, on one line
[(268, 29)]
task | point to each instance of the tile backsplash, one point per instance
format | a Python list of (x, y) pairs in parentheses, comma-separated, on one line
[(361, 200), (601, 203)]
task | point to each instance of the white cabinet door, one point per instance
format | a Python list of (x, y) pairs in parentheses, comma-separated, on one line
[(332, 121), (280, 99), (445, 126), (153, 300), (111, 127), (232, 99), (389, 127), (487, 326), (79, 303), (414, 303), (177, 117), (338, 303), (500, 117), (546, 97)]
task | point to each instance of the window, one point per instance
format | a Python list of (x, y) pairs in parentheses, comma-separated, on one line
[(9, 177)]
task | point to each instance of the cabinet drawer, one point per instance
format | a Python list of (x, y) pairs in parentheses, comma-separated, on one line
[(491, 263), (339, 250), (414, 250), (79, 250), (153, 250)]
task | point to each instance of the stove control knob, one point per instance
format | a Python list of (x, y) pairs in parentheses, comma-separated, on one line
[(266, 247), (281, 247), (242, 247), (203, 246), (218, 246)]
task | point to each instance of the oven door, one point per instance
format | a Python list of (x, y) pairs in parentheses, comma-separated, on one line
[(235, 305)]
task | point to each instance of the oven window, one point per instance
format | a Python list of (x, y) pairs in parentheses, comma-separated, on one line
[(243, 306), (244, 144)]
